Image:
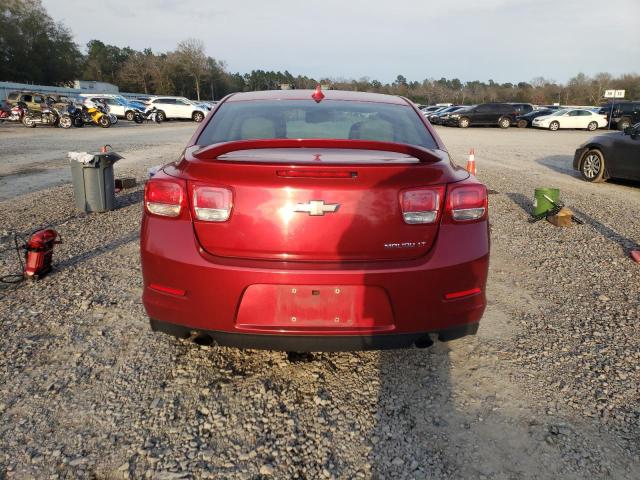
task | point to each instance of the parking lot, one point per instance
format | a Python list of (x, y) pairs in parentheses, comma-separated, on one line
[(549, 388)]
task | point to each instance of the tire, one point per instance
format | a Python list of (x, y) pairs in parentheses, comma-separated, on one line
[(464, 122), (113, 119), (624, 123), (197, 117), (592, 166), (78, 122), (28, 122), (104, 122), (554, 126), (130, 116), (522, 124), (138, 118), (592, 126), (504, 122), (65, 121), (160, 115)]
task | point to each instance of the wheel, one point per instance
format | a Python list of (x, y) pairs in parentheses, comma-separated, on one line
[(554, 126), (592, 126), (28, 122), (197, 117), (160, 116), (504, 122), (78, 122), (463, 122), (104, 121), (522, 124), (624, 123), (113, 119), (592, 166), (65, 121), (130, 116), (138, 118)]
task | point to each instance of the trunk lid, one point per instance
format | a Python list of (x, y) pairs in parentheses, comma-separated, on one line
[(320, 205)]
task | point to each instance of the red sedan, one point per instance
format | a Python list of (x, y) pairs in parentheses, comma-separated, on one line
[(315, 221)]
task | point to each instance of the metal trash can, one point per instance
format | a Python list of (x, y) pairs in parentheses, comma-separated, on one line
[(93, 182)]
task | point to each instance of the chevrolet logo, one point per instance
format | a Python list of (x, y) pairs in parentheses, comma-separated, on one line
[(316, 207)]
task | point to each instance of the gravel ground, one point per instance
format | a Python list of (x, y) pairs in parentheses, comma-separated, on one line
[(547, 389)]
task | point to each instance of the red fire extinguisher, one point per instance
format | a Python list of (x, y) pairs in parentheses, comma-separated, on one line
[(39, 253)]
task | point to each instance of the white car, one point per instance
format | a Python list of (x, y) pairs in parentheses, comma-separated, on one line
[(117, 104), (178, 107), (571, 118)]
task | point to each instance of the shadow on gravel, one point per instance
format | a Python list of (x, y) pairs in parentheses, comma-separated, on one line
[(559, 163), (522, 201), (128, 199), (627, 244), (416, 410), (102, 249)]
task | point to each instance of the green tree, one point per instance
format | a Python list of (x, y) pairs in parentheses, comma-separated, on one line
[(34, 48)]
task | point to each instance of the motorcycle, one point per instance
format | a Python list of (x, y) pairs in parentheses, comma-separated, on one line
[(72, 117), (14, 114), (96, 115), (151, 115), (48, 115), (17, 112)]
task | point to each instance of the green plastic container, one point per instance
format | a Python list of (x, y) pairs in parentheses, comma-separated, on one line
[(540, 204)]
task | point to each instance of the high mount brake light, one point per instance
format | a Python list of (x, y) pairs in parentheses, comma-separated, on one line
[(421, 205), (467, 202), (212, 204), (315, 174), (318, 95), (164, 197)]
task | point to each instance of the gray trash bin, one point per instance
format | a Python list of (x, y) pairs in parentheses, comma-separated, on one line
[(93, 182)]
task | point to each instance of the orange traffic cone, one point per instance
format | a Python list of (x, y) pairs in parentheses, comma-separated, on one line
[(471, 162)]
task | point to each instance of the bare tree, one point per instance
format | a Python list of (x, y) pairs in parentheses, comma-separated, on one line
[(190, 53)]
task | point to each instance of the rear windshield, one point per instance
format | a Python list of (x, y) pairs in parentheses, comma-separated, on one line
[(336, 119)]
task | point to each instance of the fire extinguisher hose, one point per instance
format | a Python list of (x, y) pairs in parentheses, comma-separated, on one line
[(14, 277)]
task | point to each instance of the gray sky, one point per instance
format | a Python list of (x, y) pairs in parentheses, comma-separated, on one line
[(503, 40)]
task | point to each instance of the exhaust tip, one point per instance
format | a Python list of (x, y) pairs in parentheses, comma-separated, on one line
[(203, 340), (424, 342)]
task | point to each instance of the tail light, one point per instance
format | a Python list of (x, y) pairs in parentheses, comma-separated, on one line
[(422, 205), (467, 202), (164, 197), (212, 204)]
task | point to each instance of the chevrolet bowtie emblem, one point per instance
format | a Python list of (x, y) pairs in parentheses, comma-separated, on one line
[(316, 207)]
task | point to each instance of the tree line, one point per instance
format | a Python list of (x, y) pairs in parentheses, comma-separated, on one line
[(36, 49)]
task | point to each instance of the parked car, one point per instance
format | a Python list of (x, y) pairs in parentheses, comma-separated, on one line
[(623, 114), (492, 114), (613, 155), (33, 100), (308, 221), (522, 108), (438, 117), (431, 109), (178, 107), (118, 105), (571, 118), (526, 120)]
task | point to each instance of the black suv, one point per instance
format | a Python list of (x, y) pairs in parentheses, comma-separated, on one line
[(623, 114), (500, 114)]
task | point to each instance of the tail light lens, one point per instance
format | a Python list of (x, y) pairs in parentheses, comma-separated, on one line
[(422, 205), (212, 204), (467, 202), (164, 197)]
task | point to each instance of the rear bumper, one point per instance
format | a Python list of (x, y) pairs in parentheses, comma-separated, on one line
[(317, 343), (203, 293)]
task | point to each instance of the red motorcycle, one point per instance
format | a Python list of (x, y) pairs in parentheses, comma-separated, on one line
[(14, 114)]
